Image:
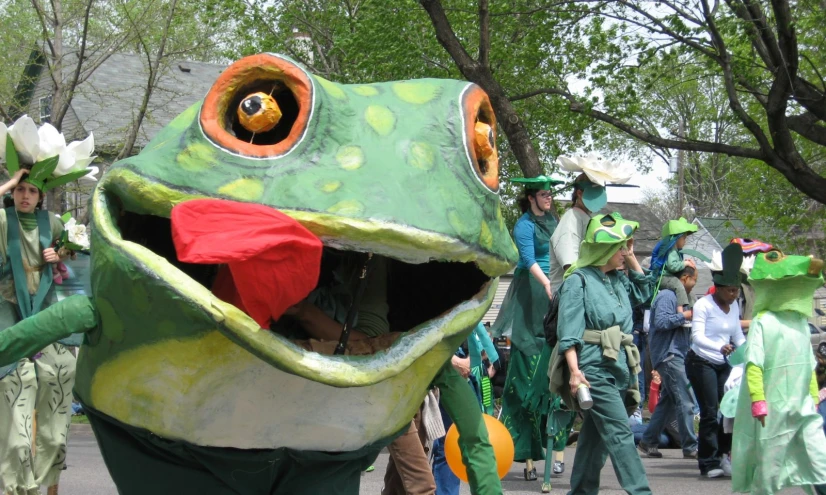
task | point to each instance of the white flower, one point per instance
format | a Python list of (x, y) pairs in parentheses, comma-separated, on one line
[(77, 233), (4, 131), (26, 139), (76, 156), (52, 142), (599, 170)]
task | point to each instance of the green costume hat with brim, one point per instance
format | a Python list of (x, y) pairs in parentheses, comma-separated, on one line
[(785, 282), (678, 227), (605, 235), (732, 259), (541, 182)]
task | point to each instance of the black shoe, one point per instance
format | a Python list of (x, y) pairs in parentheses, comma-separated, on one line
[(649, 450), (559, 467), (530, 475), (572, 438)]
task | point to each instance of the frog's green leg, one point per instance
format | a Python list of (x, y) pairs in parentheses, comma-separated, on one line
[(141, 463), (477, 453), (75, 314)]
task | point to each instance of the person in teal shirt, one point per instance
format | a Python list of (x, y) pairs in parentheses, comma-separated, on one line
[(482, 355), (521, 316), (596, 350)]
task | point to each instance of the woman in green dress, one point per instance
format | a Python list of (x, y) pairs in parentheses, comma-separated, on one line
[(521, 316), (596, 350)]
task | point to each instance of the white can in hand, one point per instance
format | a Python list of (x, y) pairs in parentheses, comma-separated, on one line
[(583, 396)]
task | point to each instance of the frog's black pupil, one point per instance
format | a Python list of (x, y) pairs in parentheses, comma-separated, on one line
[(251, 105)]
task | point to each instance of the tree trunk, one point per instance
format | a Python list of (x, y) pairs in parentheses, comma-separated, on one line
[(506, 114)]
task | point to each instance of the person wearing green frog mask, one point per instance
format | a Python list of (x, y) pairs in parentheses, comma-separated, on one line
[(36, 389), (596, 350), (778, 440)]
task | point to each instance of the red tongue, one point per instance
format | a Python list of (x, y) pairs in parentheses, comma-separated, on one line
[(274, 262)]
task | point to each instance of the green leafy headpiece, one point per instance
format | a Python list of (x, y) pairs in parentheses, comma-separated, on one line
[(44, 152)]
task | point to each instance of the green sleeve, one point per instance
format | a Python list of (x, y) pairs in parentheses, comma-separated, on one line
[(754, 377), (372, 314), (813, 388), (673, 263), (638, 286), (461, 404), (75, 314), (571, 321)]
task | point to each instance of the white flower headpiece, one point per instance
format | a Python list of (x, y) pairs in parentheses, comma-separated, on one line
[(599, 170), (53, 163)]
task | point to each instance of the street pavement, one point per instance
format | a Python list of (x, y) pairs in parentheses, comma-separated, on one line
[(672, 475)]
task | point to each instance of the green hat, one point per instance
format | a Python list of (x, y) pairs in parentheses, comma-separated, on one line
[(677, 227), (609, 229), (732, 259), (540, 182), (785, 282), (604, 236)]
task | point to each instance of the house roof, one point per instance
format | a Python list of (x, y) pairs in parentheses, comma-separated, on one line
[(107, 102), (723, 230)]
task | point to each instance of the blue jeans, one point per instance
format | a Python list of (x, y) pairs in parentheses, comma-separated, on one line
[(677, 401), (446, 482), (641, 341)]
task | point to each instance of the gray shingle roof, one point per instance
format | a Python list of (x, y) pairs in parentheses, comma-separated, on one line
[(107, 102)]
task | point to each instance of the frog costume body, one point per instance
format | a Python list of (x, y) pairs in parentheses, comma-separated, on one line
[(790, 450), (186, 392)]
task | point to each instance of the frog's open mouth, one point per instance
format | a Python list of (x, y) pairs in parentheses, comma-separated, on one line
[(431, 303)]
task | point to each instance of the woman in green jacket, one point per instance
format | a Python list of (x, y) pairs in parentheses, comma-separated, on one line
[(596, 350)]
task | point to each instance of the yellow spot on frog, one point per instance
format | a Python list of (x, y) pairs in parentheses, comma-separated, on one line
[(248, 189), (416, 92), (347, 207), (350, 157), (196, 157), (459, 224), (485, 236), (111, 323), (332, 88), (421, 155), (380, 118), (365, 90), (329, 187)]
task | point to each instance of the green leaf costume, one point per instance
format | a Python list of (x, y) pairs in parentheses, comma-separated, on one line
[(791, 449)]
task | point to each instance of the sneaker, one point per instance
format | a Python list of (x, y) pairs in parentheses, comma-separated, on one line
[(559, 467), (690, 455), (725, 465), (649, 450), (715, 473)]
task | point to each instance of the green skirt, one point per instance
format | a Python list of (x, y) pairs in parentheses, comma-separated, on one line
[(522, 313), (526, 425)]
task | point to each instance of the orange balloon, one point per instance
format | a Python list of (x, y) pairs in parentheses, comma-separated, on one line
[(500, 439)]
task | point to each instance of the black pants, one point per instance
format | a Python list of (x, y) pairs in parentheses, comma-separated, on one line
[(708, 379)]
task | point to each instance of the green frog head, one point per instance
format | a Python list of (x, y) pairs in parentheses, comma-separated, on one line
[(785, 282), (403, 170)]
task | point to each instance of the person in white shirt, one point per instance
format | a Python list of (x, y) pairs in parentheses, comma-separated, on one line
[(715, 333)]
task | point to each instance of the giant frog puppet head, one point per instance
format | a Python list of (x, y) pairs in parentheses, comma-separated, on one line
[(397, 169)]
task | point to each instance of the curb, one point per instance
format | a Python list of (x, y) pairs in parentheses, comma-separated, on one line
[(82, 429)]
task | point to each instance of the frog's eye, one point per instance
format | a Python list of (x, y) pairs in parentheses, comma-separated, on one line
[(259, 107), (480, 127), (774, 256)]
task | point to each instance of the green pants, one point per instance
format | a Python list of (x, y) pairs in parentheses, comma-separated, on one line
[(43, 385), (605, 432)]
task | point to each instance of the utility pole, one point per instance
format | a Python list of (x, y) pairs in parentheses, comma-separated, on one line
[(680, 158)]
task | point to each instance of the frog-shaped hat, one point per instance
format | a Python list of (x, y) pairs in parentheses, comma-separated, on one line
[(785, 282), (604, 236)]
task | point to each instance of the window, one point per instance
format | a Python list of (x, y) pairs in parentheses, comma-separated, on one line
[(46, 109)]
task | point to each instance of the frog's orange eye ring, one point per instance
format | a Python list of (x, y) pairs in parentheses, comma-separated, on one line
[(477, 108), (287, 83)]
